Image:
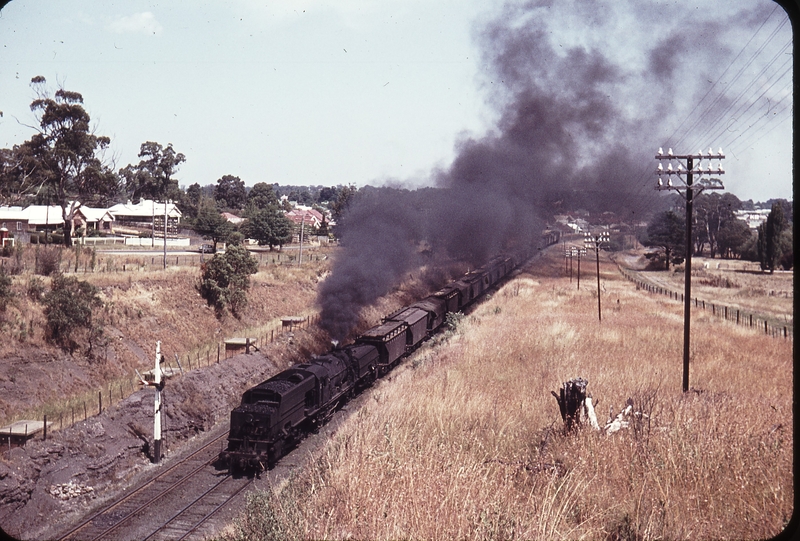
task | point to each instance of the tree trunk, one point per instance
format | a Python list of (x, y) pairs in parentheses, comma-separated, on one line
[(67, 230), (571, 401)]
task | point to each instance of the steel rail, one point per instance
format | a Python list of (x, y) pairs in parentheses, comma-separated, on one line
[(138, 490), (207, 515)]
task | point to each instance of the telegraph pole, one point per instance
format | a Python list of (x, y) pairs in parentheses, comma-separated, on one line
[(581, 252), (165, 232), (687, 189), (569, 252), (596, 240), (302, 234)]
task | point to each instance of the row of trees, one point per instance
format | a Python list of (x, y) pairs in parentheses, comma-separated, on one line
[(269, 226), (65, 163), (717, 231)]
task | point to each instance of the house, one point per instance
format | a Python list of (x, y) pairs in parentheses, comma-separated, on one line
[(305, 215), (92, 218), (21, 222), (145, 215), (232, 218), (13, 219)]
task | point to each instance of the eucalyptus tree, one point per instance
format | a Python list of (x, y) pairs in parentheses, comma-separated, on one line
[(153, 177), (65, 154), (667, 231)]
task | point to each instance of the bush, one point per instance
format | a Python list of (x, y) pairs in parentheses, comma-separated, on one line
[(69, 306), (225, 278), (48, 260), (35, 289)]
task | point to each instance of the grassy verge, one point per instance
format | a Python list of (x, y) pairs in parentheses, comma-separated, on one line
[(465, 441)]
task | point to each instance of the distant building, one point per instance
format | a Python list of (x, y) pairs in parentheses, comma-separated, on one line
[(232, 218), (91, 218), (306, 215), (146, 214), (753, 218)]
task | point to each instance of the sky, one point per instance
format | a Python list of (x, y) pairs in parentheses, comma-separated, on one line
[(381, 92)]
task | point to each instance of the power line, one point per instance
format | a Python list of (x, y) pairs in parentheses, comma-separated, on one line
[(721, 75)]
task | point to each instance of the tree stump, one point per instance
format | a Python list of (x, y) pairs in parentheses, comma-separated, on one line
[(571, 398)]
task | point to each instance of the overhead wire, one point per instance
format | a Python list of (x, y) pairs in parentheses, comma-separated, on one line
[(646, 203), (716, 123), (678, 128), (642, 200), (710, 107), (740, 102)]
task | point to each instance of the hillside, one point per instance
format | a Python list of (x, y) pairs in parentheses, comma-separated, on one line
[(142, 304)]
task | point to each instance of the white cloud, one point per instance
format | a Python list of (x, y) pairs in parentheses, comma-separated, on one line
[(145, 23)]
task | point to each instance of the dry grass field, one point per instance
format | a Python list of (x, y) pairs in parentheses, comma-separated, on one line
[(465, 441)]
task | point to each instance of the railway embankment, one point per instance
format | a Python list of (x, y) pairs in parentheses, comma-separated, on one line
[(106, 453)]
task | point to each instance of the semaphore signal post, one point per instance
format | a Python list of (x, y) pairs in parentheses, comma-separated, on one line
[(687, 189)]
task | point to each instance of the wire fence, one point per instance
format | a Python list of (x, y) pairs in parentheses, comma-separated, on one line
[(90, 404), (768, 325), (85, 261)]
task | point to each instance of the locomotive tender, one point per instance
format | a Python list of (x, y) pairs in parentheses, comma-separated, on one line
[(275, 414)]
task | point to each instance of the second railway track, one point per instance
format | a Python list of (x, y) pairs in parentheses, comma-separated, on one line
[(173, 504)]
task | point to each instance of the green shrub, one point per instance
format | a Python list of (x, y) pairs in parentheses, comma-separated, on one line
[(225, 279), (48, 260), (69, 306)]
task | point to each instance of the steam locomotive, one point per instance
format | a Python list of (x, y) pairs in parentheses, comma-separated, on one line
[(277, 413)]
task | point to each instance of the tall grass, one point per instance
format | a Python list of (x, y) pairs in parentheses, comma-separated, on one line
[(466, 441)]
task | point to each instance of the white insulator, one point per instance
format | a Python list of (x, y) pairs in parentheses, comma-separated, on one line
[(719, 168), (670, 152), (709, 168), (710, 151), (669, 181), (669, 168), (660, 151), (700, 152), (660, 167), (660, 182), (680, 169), (720, 151)]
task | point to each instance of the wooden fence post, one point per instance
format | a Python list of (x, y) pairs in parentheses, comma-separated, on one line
[(100, 402)]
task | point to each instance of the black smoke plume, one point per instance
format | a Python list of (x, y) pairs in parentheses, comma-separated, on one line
[(577, 129)]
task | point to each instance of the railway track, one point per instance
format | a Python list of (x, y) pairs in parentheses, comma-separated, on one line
[(175, 504)]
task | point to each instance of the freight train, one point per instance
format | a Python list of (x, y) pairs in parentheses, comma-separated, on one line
[(277, 413)]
